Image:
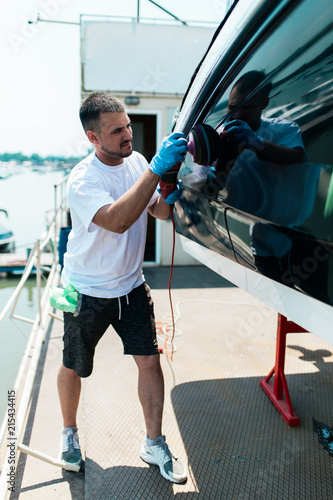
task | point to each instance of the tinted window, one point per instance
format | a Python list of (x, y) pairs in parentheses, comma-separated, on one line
[(273, 215), (296, 59)]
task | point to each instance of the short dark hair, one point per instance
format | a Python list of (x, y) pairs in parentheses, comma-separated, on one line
[(251, 80), (95, 104)]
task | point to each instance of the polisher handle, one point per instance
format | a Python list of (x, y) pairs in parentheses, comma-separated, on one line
[(168, 182)]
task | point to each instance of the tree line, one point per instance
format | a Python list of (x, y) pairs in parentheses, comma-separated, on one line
[(36, 159)]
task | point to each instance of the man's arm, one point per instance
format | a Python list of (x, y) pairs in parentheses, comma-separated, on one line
[(120, 216), (160, 209), (246, 138), (280, 154)]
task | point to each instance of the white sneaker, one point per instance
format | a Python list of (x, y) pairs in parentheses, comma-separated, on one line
[(159, 454), (70, 451)]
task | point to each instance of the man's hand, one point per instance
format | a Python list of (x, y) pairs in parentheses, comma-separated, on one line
[(172, 150), (241, 133)]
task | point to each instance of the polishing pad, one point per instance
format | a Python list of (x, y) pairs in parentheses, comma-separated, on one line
[(204, 144)]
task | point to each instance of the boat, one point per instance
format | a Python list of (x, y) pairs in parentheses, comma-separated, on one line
[(7, 242), (264, 226)]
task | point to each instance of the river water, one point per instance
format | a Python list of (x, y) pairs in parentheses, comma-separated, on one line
[(27, 195)]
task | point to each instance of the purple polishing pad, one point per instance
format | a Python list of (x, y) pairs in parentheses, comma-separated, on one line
[(204, 144)]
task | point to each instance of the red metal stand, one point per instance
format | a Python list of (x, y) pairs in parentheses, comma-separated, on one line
[(275, 391)]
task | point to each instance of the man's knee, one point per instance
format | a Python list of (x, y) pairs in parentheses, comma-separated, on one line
[(68, 373), (148, 363)]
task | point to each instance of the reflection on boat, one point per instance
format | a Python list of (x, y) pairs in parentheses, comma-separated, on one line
[(7, 243)]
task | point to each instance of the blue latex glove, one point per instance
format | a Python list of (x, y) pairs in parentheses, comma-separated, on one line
[(172, 150), (242, 134), (175, 195)]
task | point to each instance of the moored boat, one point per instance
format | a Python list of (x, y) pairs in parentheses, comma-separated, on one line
[(7, 242)]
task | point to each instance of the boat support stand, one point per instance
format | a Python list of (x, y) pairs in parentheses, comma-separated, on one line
[(275, 390)]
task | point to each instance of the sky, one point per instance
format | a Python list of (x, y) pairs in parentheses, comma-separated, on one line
[(40, 84)]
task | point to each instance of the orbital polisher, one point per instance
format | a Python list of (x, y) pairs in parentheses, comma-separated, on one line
[(205, 146)]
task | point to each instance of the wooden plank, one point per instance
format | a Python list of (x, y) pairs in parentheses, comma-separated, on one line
[(17, 261)]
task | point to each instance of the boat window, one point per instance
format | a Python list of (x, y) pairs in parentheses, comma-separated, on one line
[(296, 61), (267, 186), (287, 80)]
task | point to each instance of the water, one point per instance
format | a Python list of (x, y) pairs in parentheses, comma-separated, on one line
[(27, 195)]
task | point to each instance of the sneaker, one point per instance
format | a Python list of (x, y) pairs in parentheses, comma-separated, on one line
[(159, 454), (70, 451)]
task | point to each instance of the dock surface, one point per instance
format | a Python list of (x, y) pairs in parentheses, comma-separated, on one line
[(217, 419), (13, 262)]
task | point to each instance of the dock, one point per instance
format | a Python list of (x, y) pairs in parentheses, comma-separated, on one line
[(217, 419), (16, 262)]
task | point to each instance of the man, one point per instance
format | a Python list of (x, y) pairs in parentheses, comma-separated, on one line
[(263, 176), (250, 141), (272, 140), (109, 194)]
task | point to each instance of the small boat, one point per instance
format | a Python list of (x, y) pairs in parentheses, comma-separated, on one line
[(7, 243)]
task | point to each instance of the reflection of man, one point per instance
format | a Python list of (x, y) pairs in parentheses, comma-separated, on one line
[(249, 168), (272, 140), (254, 181)]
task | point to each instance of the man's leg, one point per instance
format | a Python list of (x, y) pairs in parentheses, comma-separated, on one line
[(69, 389), (151, 392)]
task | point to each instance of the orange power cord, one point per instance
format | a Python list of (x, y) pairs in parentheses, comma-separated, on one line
[(165, 331)]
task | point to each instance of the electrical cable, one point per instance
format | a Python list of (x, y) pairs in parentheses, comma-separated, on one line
[(163, 328), (170, 298)]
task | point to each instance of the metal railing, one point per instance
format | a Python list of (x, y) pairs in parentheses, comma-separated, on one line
[(26, 373)]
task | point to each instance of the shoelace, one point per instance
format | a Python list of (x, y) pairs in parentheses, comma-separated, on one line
[(71, 441), (167, 450)]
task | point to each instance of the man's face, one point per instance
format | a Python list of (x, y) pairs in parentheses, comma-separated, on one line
[(114, 140), (250, 112)]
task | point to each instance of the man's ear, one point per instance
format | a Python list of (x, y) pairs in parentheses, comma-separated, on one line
[(93, 137)]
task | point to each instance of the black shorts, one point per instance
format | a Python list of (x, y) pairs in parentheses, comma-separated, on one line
[(132, 316)]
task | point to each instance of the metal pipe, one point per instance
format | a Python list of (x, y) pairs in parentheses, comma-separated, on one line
[(26, 273), (40, 20), (55, 220), (39, 282), (22, 318), (42, 303), (168, 12), (17, 291), (26, 393), (47, 458), (26, 356), (33, 349)]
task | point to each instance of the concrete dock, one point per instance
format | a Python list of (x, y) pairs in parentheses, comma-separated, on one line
[(217, 419)]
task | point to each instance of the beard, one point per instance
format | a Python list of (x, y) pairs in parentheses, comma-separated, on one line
[(127, 145)]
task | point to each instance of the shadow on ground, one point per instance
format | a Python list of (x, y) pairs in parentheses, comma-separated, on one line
[(238, 445), (184, 277)]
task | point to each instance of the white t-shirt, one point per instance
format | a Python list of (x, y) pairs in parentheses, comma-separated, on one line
[(279, 194), (98, 262), (280, 131), (267, 189)]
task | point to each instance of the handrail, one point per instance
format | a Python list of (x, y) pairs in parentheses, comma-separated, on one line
[(32, 352), (35, 252)]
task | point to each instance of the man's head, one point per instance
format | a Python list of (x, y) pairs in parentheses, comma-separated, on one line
[(250, 111), (107, 126), (95, 104)]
